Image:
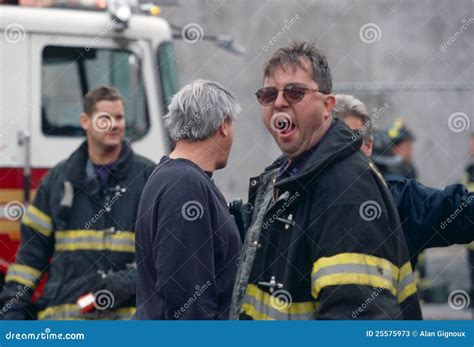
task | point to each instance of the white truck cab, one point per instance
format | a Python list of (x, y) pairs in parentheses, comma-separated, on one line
[(49, 58)]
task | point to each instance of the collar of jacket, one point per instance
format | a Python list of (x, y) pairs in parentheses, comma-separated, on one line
[(77, 163), (339, 143)]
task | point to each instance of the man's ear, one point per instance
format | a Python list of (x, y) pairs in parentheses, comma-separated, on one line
[(224, 128), (329, 103), (85, 121), (369, 145)]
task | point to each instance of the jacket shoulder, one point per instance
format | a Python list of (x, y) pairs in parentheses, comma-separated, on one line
[(56, 173), (353, 172), (142, 161)]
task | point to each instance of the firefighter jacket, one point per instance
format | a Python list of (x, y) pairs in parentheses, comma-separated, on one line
[(325, 243), (81, 233)]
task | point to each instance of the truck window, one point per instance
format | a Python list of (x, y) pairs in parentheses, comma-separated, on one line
[(168, 72), (68, 73)]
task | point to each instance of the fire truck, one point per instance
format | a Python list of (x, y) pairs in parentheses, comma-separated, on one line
[(51, 54)]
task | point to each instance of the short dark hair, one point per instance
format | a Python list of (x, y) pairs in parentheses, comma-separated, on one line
[(292, 55), (99, 94)]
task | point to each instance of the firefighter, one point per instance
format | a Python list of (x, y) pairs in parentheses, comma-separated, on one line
[(402, 146), (80, 227), (425, 211), (468, 177), (325, 235), (468, 180), (403, 142)]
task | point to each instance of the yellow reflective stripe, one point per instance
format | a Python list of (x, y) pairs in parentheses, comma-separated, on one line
[(88, 246), (349, 278), (405, 270), (258, 304), (39, 214), (73, 312), (126, 311), (54, 310), (407, 285), (267, 299), (251, 311), (119, 235), (98, 240), (354, 258), (409, 290), (362, 269), (21, 280), (23, 274), (38, 220)]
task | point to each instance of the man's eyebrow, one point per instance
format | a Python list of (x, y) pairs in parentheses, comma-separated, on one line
[(296, 84)]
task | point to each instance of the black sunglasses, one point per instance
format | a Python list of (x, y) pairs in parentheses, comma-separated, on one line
[(293, 93)]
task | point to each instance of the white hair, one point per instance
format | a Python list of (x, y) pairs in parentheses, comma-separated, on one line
[(350, 106), (198, 109)]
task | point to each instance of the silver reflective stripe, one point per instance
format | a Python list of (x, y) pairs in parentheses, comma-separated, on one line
[(68, 194), (409, 279), (355, 269), (99, 240), (274, 313), (45, 225), (95, 240), (95, 315), (15, 271)]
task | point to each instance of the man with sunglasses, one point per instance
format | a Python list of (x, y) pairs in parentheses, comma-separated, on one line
[(324, 241)]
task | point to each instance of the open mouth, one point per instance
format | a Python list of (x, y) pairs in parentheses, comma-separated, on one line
[(282, 124), (288, 130)]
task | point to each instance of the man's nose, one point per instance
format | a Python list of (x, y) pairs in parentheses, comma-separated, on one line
[(280, 101)]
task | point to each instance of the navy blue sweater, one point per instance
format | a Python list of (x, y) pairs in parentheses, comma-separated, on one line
[(187, 245)]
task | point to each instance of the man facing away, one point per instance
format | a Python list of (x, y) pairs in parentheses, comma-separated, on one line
[(423, 209), (187, 242)]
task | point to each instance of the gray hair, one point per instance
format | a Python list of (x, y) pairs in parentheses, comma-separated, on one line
[(198, 109), (292, 55), (350, 106)]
